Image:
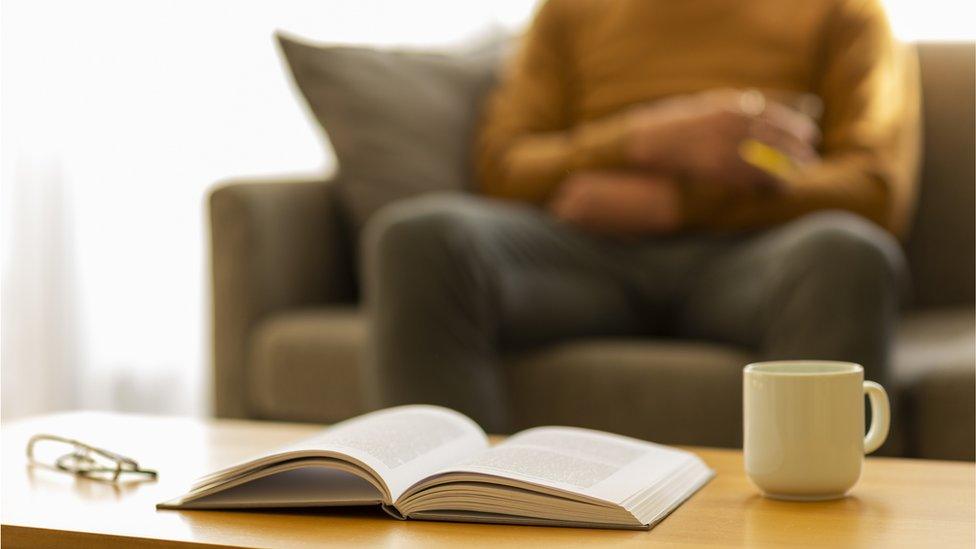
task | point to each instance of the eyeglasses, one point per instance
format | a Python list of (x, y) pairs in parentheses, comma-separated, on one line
[(78, 458)]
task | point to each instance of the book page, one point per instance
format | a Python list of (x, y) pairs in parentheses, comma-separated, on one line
[(602, 466), (402, 444)]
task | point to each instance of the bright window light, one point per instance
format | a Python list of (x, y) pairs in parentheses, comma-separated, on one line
[(913, 20)]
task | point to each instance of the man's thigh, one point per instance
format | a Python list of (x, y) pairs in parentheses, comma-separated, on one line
[(542, 279), (743, 294)]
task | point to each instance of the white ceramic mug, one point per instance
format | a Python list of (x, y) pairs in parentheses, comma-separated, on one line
[(803, 426)]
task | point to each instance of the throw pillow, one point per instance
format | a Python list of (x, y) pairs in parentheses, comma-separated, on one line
[(401, 122)]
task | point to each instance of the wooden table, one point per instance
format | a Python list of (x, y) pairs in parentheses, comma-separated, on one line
[(899, 502)]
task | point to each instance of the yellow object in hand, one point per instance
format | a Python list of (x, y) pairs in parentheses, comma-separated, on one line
[(768, 159)]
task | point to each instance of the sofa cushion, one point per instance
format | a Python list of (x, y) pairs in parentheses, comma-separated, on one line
[(400, 122), (304, 366), (667, 391), (935, 374)]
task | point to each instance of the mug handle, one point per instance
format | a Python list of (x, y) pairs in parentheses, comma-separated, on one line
[(880, 416)]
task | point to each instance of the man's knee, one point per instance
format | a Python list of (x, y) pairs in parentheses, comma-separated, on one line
[(417, 227), (844, 246)]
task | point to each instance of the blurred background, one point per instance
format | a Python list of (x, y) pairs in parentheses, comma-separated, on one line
[(117, 117)]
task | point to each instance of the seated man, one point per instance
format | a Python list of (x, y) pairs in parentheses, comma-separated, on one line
[(656, 169)]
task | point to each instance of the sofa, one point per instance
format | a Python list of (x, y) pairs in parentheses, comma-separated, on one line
[(288, 333)]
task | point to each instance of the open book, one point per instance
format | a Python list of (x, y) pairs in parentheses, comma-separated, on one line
[(431, 463)]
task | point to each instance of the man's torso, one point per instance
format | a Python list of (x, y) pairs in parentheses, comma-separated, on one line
[(626, 52)]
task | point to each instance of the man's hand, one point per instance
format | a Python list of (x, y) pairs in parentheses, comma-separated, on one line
[(697, 137), (618, 204)]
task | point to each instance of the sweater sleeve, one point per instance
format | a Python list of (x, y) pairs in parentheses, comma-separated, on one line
[(869, 85), (527, 142)]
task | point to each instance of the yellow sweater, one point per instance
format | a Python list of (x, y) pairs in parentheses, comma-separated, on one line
[(582, 62)]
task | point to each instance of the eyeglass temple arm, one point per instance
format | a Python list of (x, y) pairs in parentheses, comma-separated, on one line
[(118, 458)]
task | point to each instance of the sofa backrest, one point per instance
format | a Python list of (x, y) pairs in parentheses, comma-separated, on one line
[(940, 246)]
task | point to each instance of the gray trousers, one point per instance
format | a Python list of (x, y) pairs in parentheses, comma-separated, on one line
[(454, 282)]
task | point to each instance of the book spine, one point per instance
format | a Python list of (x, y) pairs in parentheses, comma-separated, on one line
[(393, 511)]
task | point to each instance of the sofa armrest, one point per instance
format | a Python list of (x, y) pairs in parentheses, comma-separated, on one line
[(275, 245)]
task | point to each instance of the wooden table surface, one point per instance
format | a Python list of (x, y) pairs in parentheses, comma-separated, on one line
[(898, 503)]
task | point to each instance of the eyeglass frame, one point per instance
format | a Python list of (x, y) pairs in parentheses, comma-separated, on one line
[(81, 453)]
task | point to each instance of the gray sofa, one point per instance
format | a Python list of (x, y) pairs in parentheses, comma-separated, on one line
[(288, 334)]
